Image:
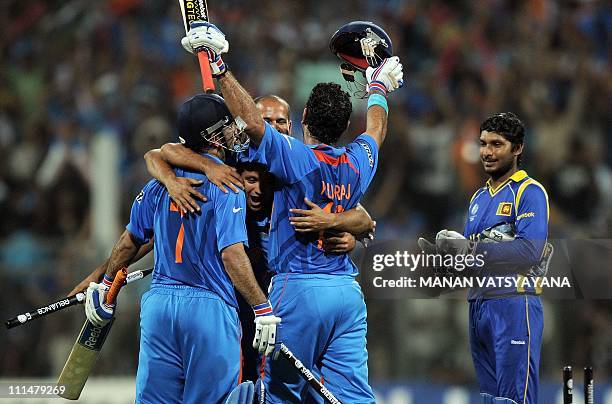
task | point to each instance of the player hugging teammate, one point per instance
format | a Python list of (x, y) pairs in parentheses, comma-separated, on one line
[(507, 223), (190, 349)]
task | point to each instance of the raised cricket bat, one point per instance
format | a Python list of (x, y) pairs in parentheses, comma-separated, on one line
[(197, 10), (87, 348)]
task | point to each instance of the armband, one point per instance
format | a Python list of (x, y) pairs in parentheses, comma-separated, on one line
[(377, 99)]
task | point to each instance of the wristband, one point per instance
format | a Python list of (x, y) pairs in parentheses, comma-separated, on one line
[(377, 99), (107, 280), (378, 86), (263, 309)]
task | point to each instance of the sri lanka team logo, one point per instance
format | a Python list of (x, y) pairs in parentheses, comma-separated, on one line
[(504, 209)]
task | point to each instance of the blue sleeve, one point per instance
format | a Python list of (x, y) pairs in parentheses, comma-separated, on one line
[(531, 231), (365, 151), (286, 157), (230, 218), (142, 214)]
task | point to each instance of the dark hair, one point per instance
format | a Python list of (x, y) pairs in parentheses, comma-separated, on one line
[(328, 110), (250, 166), (509, 126)]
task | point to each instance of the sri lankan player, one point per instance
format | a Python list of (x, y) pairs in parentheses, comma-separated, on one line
[(316, 294), (507, 223), (190, 333)]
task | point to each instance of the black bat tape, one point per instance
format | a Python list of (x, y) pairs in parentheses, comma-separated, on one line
[(64, 303), (307, 374)]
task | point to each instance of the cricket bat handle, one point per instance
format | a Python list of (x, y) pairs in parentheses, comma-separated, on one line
[(207, 80), (118, 282)]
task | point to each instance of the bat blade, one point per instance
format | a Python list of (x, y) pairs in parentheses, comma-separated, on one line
[(87, 348), (82, 359), (193, 10)]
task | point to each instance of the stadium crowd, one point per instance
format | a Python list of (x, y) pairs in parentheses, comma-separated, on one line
[(75, 71)]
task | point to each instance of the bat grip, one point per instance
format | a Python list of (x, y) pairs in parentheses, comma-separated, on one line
[(118, 283), (207, 80)]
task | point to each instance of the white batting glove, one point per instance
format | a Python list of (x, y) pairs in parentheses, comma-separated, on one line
[(204, 36), (387, 77), (265, 328), (98, 312), (452, 242)]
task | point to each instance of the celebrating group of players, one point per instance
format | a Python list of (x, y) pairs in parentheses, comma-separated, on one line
[(289, 232)]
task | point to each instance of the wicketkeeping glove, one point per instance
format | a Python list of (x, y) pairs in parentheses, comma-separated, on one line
[(265, 328), (451, 242), (387, 77), (98, 312), (204, 36)]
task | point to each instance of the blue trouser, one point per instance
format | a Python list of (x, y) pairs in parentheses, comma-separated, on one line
[(324, 325), (505, 339), (189, 347)]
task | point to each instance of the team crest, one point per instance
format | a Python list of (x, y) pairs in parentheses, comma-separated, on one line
[(504, 209)]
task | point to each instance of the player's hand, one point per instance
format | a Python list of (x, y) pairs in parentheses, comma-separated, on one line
[(183, 192), (223, 175), (340, 243), (204, 36), (265, 328), (313, 219), (98, 312), (452, 242), (387, 77)]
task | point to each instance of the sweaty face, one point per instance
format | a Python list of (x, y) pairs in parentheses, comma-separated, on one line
[(276, 114), (496, 154), (258, 188)]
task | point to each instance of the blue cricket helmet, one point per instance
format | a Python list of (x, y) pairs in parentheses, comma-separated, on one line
[(204, 118), (345, 44)]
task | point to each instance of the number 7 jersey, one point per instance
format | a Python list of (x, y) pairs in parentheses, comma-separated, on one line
[(188, 246), (335, 178)]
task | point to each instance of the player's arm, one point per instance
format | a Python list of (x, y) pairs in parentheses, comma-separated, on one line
[(238, 267), (138, 232), (237, 99), (385, 78), (356, 221), (98, 273), (182, 190), (239, 270), (230, 228), (123, 254), (241, 104)]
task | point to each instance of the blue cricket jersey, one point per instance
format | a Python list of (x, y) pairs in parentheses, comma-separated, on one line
[(335, 178), (188, 247), (521, 202)]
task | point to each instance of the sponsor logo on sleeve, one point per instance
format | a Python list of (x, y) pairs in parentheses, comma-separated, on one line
[(140, 196), (524, 215), (366, 147)]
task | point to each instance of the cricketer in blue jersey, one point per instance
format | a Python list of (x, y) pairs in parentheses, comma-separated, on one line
[(323, 311), (190, 312), (259, 186), (508, 224)]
